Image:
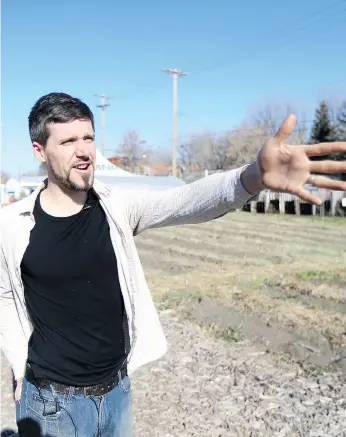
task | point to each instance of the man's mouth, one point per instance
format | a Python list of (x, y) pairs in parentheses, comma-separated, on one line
[(82, 167)]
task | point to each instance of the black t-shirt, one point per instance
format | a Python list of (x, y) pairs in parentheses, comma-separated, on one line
[(73, 296)]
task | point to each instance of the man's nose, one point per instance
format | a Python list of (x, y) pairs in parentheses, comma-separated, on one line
[(82, 149)]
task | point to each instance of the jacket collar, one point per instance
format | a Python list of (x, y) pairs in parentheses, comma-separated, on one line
[(26, 205)]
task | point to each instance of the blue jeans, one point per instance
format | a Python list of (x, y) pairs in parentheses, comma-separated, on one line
[(43, 413)]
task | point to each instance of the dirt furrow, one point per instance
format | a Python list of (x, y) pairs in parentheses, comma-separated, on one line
[(203, 251), (303, 238), (316, 225), (194, 240)]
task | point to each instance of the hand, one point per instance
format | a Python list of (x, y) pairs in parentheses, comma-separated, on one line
[(286, 168), (18, 391)]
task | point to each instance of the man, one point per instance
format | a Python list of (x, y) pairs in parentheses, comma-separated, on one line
[(76, 316)]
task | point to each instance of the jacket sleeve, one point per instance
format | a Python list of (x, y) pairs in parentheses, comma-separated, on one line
[(201, 201), (12, 338)]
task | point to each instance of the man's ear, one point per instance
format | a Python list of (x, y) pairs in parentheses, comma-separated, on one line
[(39, 152)]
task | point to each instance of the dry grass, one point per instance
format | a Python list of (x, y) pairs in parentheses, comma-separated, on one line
[(286, 269)]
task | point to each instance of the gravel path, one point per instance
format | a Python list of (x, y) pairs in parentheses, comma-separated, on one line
[(208, 387)]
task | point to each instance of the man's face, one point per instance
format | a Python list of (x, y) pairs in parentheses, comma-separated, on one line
[(70, 154)]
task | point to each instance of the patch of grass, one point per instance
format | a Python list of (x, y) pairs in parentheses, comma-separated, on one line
[(173, 299), (255, 284), (319, 275), (320, 369), (232, 335), (306, 220)]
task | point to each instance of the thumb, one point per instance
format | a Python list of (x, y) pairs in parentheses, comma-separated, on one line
[(286, 128)]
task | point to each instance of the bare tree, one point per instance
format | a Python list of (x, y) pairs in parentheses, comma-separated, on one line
[(299, 136), (270, 117), (132, 148), (187, 156), (244, 143), (217, 153), (42, 170), (157, 161), (4, 177), (205, 151), (160, 157)]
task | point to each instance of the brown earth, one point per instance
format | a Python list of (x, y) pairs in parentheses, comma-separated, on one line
[(277, 280)]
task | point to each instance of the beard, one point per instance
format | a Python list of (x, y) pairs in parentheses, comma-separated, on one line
[(68, 183)]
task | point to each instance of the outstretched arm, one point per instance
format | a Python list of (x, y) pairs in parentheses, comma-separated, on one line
[(279, 167), (201, 201)]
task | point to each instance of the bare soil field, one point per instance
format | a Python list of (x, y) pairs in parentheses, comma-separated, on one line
[(277, 280)]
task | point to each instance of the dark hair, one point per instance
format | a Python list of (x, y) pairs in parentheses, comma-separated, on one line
[(55, 108)]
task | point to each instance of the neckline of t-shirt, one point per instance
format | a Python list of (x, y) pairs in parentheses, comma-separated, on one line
[(87, 203)]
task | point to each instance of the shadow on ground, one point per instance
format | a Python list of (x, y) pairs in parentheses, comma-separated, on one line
[(27, 428)]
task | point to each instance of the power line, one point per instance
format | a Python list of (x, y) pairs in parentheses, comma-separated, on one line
[(103, 105), (280, 38), (140, 89), (228, 132), (306, 18), (175, 74), (284, 38)]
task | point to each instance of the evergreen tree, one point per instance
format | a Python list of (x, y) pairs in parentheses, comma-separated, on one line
[(323, 130), (341, 129), (341, 133)]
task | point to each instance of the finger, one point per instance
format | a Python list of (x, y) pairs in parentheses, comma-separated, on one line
[(286, 128), (328, 184), (327, 166), (308, 196), (324, 148)]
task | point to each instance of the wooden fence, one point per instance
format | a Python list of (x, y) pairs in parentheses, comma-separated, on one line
[(333, 203)]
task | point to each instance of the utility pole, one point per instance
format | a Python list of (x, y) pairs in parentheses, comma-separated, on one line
[(103, 105), (175, 74)]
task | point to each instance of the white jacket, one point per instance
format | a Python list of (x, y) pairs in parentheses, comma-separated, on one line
[(129, 213)]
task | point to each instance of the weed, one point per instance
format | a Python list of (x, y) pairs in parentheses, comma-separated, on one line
[(229, 334), (174, 299), (320, 275)]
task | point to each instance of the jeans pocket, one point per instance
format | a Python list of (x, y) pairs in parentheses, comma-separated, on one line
[(43, 405), (125, 384)]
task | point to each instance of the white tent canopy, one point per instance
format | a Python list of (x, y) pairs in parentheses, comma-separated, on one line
[(143, 182), (106, 168)]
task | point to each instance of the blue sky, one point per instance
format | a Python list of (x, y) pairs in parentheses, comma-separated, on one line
[(239, 54)]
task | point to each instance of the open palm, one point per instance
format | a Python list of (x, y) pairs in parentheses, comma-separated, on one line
[(287, 168)]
